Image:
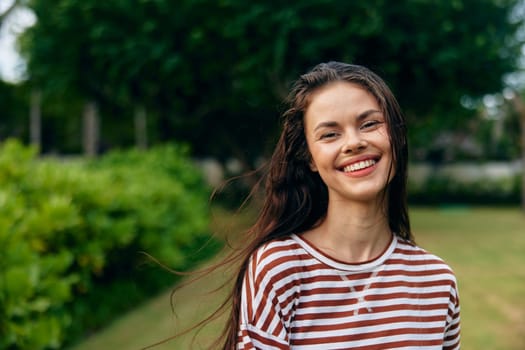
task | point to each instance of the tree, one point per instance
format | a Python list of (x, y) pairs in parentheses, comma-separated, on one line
[(69, 71), (213, 73)]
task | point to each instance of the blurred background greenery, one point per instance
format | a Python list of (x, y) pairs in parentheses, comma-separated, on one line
[(127, 113)]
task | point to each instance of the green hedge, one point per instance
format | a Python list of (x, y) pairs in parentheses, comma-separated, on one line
[(441, 190), (72, 233)]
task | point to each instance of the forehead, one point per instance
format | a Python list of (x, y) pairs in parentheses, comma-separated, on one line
[(338, 99)]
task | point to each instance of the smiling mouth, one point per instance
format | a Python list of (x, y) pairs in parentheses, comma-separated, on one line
[(359, 165)]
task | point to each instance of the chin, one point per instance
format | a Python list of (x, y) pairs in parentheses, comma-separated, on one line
[(364, 196)]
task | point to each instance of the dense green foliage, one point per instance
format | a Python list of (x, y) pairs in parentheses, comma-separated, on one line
[(72, 235), (214, 72), (442, 190)]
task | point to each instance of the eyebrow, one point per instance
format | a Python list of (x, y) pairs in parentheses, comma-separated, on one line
[(359, 118)]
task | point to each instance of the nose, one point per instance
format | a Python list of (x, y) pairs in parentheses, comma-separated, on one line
[(353, 144)]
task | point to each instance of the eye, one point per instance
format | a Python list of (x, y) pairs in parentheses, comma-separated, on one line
[(371, 124), (328, 135)]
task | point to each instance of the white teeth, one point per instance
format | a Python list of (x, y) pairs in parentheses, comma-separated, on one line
[(359, 165)]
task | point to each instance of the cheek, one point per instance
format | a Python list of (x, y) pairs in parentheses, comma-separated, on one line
[(382, 135), (311, 155), (382, 140)]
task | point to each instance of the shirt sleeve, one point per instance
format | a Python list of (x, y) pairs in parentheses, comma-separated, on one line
[(452, 330), (261, 319)]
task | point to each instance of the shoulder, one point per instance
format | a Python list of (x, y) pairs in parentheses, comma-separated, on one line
[(423, 263), (416, 254), (277, 259), (277, 253)]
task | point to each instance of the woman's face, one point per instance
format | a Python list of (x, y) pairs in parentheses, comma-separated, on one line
[(347, 136)]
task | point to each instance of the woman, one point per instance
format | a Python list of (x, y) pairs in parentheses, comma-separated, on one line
[(332, 263)]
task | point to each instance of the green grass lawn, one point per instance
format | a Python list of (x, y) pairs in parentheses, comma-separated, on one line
[(485, 247)]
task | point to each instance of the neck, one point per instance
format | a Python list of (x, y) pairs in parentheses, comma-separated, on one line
[(352, 232)]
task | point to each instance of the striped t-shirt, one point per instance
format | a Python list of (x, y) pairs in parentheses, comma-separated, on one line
[(296, 297)]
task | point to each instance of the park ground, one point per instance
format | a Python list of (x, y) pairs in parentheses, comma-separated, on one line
[(484, 246)]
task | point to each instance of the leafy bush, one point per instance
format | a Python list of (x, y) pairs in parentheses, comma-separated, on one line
[(438, 190), (72, 233)]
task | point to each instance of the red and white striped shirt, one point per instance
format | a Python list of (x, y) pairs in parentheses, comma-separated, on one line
[(296, 297)]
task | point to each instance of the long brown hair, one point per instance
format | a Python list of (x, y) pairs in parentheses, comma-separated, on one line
[(296, 198)]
